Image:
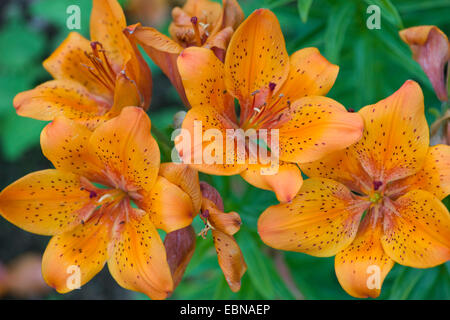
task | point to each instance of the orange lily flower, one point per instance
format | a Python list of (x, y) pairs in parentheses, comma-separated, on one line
[(394, 175), (116, 223), (93, 80), (431, 49), (275, 91), (223, 226), (201, 23)]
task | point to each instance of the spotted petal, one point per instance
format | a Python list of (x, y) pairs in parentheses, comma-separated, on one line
[(317, 126), (433, 177), (321, 220), (138, 259), (363, 265), (256, 56), (417, 230), (127, 150), (47, 202), (285, 180), (310, 74), (75, 257), (60, 98), (395, 140)]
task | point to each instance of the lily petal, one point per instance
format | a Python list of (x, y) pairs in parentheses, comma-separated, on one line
[(228, 223), (285, 182), (211, 193), (137, 69), (230, 258), (431, 50), (395, 140), (180, 246), (138, 259), (256, 56), (321, 220), (164, 53), (59, 98), (218, 42), (342, 166), (65, 143), (232, 14), (126, 148), (80, 252), (316, 127), (69, 62), (47, 202), (310, 74), (106, 25), (206, 154), (126, 94), (169, 207), (186, 178), (417, 230), (363, 265), (434, 176), (202, 74)]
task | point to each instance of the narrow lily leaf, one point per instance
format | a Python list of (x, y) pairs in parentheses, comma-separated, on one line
[(428, 283), (303, 9), (222, 291), (336, 29), (363, 73), (405, 282), (401, 54), (388, 11), (256, 261)]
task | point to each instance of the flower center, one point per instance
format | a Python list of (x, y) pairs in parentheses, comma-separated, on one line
[(111, 196), (377, 194), (100, 69), (375, 197), (265, 111)]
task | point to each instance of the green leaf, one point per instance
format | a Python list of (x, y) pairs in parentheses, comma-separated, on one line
[(18, 135), (317, 279), (222, 291), (54, 12), (401, 53), (303, 9), (338, 22), (421, 284), (21, 46), (364, 71), (12, 84), (405, 282), (388, 11), (278, 3), (257, 268)]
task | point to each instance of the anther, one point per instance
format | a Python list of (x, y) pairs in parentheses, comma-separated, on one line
[(377, 185)]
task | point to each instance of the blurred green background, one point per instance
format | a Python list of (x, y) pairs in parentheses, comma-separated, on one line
[(373, 64)]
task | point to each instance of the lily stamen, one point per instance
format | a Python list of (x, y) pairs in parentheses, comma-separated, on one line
[(198, 38)]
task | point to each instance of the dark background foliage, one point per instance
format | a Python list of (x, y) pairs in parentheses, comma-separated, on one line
[(373, 64)]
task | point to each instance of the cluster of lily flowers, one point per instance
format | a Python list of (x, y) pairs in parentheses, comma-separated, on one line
[(374, 188)]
